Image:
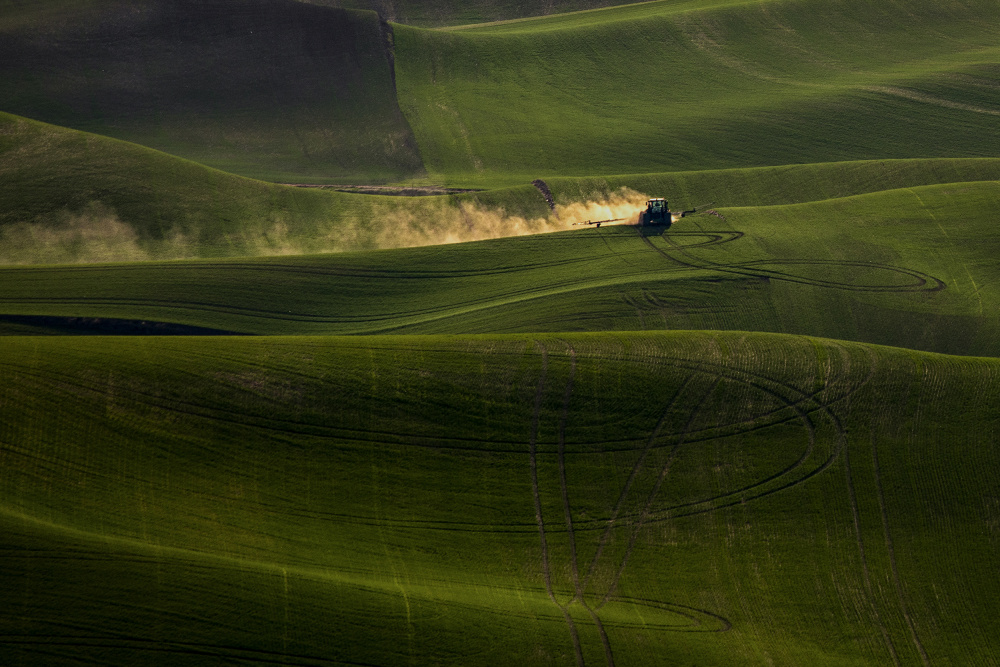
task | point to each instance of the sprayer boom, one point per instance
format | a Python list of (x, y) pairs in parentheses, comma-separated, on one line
[(599, 222)]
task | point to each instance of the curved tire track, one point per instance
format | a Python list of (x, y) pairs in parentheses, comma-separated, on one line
[(745, 268), (651, 498), (532, 451)]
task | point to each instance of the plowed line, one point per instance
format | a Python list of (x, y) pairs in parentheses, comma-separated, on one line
[(199, 650)]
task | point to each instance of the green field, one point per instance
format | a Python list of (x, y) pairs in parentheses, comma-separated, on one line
[(911, 267), (674, 86), (280, 90), (729, 497), (246, 423), (436, 13)]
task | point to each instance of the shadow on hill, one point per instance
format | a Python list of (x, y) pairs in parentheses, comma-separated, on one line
[(99, 326), (275, 89), (458, 12)]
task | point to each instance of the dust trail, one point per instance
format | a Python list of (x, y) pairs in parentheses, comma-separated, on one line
[(93, 234), (420, 226), (96, 233)]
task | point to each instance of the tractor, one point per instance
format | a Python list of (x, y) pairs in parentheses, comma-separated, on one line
[(658, 213)]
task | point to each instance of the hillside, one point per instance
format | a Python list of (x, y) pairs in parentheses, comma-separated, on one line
[(294, 91), (668, 86), (70, 196), (912, 267), (243, 422), (273, 89), (428, 13), (493, 500)]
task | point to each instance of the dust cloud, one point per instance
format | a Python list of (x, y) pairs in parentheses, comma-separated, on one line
[(399, 227), (97, 234), (93, 234)]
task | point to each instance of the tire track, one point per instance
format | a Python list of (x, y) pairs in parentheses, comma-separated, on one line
[(445, 310), (897, 582), (652, 496), (602, 542), (715, 238), (72, 382), (467, 526), (564, 492), (567, 510), (922, 279), (733, 374), (665, 470), (696, 615), (856, 519), (263, 266), (865, 570), (377, 323), (696, 263), (620, 256), (532, 451)]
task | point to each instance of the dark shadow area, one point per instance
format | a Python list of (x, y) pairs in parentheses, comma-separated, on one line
[(56, 325), (277, 89)]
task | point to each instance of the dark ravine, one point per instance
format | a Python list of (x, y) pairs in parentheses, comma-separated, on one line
[(109, 326)]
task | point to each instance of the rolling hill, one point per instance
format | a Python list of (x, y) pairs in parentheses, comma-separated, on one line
[(70, 197), (248, 423), (302, 92), (912, 267), (676, 86), (273, 89), (459, 12), (633, 498)]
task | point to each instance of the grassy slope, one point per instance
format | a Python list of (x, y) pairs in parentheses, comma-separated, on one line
[(785, 184), (679, 86), (458, 12), (371, 500), (273, 89), (72, 196), (913, 267)]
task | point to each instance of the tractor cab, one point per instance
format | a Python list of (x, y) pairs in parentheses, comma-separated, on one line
[(657, 213)]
